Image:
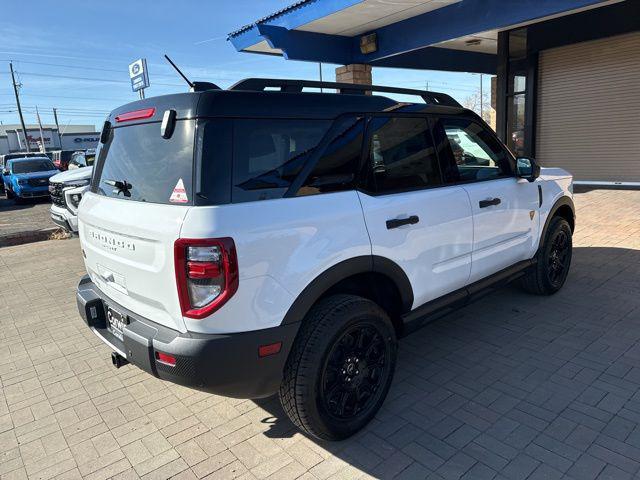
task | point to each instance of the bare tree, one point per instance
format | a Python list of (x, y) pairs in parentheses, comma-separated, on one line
[(479, 104)]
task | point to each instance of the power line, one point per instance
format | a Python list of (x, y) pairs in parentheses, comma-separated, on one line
[(85, 68), (90, 79), (70, 97)]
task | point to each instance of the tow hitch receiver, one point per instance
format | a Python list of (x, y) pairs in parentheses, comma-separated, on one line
[(118, 360)]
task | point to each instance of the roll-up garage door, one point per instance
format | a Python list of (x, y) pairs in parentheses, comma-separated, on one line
[(588, 118)]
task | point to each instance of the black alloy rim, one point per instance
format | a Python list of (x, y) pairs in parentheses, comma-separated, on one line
[(558, 260), (354, 372)]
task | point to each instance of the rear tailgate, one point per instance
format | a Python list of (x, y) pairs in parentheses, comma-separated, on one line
[(128, 224), (128, 248)]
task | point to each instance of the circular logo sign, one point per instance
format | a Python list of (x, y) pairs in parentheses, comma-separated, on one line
[(135, 69)]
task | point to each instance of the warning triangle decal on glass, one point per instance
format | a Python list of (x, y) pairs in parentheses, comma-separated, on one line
[(179, 194)]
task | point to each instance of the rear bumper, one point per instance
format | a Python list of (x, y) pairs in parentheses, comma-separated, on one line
[(224, 364)]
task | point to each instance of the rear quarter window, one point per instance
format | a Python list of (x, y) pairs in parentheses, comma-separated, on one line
[(268, 154), (151, 168)]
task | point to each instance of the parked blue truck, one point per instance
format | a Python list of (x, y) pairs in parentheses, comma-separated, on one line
[(27, 177)]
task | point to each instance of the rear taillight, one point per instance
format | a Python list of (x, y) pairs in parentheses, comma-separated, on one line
[(206, 274)]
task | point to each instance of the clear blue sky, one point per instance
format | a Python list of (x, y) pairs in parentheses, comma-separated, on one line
[(74, 54)]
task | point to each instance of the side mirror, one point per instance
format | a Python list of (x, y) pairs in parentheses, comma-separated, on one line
[(527, 168)]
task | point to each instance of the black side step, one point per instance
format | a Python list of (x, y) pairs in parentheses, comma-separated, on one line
[(439, 307)]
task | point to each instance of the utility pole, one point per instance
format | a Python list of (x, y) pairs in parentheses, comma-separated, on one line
[(15, 90), (42, 147), (55, 117)]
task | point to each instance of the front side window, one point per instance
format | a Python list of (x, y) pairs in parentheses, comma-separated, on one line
[(401, 155), (476, 153), (268, 154), (79, 160)]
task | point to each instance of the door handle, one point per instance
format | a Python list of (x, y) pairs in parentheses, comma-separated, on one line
[(398, 222), (489, 202)]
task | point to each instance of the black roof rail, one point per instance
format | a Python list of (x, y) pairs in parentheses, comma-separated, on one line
[(296, 86)]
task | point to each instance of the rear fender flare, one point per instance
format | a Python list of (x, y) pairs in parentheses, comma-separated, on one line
[(347, 268)]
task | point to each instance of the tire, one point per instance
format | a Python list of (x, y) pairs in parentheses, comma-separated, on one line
[(553, 260), (330, 389)]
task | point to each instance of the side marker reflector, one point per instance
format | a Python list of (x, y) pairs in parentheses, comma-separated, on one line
[(166, 359), (271, 349)]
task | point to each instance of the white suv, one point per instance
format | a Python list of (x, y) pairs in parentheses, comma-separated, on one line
[(66, 190), (263, 239)]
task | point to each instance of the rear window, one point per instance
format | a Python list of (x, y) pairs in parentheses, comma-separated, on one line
[(138, 164)]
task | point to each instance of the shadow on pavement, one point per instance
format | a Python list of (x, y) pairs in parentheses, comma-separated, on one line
[(7, 205), (514, 383)]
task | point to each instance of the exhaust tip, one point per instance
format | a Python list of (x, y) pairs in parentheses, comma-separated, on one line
[(118, 360)]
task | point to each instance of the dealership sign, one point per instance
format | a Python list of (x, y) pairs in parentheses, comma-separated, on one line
[(139, 75), (85, 139)]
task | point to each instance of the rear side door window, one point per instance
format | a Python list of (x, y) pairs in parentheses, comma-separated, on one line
[(472, 153), (402, 156)]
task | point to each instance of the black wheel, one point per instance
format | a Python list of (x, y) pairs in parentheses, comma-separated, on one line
[(340, 368), (554, 260)]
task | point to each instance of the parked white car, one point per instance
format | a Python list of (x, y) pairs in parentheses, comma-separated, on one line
[(248, 241), (66, 189)]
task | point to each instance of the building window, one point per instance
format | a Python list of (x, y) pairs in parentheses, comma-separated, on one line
[(517, 91)]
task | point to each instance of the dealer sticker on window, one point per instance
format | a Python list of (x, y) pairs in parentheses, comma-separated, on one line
[(179, 194)]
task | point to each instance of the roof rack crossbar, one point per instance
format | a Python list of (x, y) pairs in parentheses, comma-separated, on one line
[(261, 84)]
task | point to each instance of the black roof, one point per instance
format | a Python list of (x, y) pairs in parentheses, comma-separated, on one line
[(255, 98)]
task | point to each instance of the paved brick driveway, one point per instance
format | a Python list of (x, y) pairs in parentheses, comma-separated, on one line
[(513, 387)]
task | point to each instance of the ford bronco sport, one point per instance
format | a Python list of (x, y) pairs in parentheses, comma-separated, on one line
[(266, 239)]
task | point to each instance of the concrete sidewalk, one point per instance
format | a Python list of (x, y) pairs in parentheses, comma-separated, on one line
[(512, 387)]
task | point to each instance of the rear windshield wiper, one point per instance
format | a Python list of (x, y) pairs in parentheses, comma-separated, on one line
[(120, 186)]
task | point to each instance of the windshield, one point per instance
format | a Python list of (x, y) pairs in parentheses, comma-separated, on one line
[(35, 165), (138, 164)]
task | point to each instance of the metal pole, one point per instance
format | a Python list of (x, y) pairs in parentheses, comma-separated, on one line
[(141, 91), (320, 69), (55, 117), (15, 90), (481, 100), (42, 147)]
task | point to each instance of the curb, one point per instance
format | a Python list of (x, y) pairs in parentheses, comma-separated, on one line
[(21, 238)]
